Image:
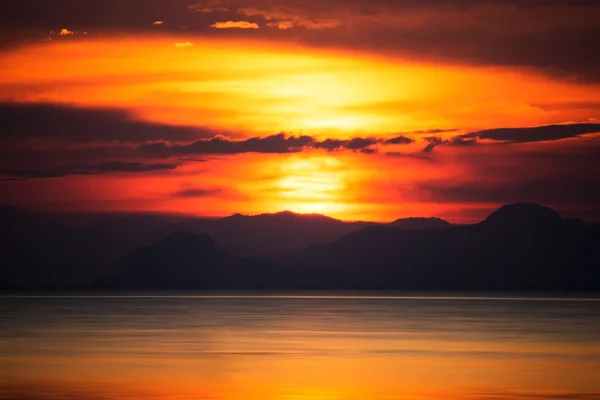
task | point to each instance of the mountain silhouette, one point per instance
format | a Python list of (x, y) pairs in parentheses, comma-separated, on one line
[(37, 252), (523, 215), (264, 235), (519, 246), (181, 261), (417, 223), (270, 235)]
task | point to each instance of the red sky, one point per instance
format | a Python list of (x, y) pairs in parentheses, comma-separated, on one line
[(359, 109)]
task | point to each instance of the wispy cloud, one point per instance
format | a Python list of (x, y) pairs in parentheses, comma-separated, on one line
[(234, 25), (197, 192), (84, 169), (279, 143), (183, 45), (209, 6), (282, 25), (285, 18), (85, 125), (536, 134)]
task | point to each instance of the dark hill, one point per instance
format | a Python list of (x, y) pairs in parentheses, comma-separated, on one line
[(37, 252), (420, 223), (524, 215), (270, 235), (518, 247), (182, 261)]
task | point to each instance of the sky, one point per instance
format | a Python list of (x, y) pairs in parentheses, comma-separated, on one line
[(357, 109)]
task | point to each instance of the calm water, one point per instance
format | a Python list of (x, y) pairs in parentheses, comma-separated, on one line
[(296, 348)]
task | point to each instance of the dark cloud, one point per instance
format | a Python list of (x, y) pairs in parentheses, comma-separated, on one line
[(558, 37), (197, 192), (462, 141), (219, 145), (399, 140), (330, 144), (538, 190), (433, 141), (359, 143), (86, 125), (418, 156), (565, 175), (279, 143), (368, 150), (515, 135), (89, 169), (47, 140), (553, 37), (535, 134), (90, 14)]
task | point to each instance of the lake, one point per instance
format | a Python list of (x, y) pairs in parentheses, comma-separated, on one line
[(299, 347)]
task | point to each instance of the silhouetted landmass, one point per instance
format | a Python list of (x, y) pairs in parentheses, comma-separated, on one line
[(270, 235), (182, 261), (36, 252), (265, 235), (420, 223), (519, 246)]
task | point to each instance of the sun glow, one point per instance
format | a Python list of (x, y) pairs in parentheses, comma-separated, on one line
[(313, 184), (256, 87), (242, 89)]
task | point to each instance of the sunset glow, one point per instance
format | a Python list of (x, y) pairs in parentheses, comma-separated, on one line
[(239, 87)]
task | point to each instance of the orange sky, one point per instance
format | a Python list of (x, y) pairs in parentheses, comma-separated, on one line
[(239, 88)]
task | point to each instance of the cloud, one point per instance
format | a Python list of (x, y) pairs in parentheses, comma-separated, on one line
[(564, 174), (515, 135), (535, 134), (369, 150), (281, 25), (418, 156), (351, 144), (433, 131), (279, 143), (285, 16), (85, 169), (51, 121), (434, 141), (462, 141), (209, 6), (156, 23), (219, 145), (66, 32), (555, 37), (538, 190), (359, 143), (235, 24), (197, 192), (354, 144), (399, 140), (330, 144), (183, 45)]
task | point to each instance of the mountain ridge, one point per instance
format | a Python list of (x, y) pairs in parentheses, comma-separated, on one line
[(529, 244)]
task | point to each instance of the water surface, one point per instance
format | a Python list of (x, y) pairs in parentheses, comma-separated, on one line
[(186, 346)]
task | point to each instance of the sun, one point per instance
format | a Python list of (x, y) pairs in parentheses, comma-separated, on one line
[(312, 184)]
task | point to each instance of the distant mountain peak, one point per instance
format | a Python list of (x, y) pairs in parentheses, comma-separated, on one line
[(292, 214), (280, 214), (522, 214), (286, 212), (420, 223)]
